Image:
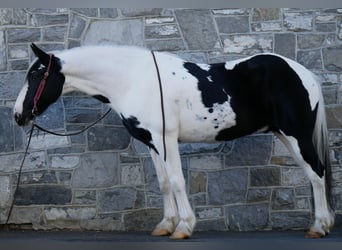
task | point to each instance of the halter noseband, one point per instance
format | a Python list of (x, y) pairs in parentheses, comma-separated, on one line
[(41, 87)]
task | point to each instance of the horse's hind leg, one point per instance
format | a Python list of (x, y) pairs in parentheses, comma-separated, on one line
[(303, 152), (170, 220)]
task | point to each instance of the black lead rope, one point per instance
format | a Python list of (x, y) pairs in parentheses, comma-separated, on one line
[(34, 125), (161, 101), (18, 179), (72, 133)]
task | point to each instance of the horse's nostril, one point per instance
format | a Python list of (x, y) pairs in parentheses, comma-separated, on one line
[(17, 117)]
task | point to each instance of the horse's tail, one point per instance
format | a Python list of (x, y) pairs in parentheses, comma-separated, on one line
[(321, 140)]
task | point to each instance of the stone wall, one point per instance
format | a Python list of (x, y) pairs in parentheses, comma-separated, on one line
[(104, 180)]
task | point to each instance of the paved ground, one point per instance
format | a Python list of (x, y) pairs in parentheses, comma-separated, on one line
[(277, 240)]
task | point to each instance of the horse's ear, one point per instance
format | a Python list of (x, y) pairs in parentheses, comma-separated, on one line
[(43, 57)]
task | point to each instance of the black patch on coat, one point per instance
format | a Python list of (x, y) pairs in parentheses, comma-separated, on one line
[(140, 134), (101, 98), (264, 91)]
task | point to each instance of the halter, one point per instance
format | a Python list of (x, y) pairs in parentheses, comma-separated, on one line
[(41, 86)]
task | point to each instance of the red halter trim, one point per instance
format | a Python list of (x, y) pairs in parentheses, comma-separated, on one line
[(41, 87)]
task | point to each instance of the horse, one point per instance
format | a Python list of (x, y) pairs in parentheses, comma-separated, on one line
[(163, 100)]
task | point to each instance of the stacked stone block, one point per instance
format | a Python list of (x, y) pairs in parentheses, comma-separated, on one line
[(105, 180)]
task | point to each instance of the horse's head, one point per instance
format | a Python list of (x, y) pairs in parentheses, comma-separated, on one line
[(43, 85)]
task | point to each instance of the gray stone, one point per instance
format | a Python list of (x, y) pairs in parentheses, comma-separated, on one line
[(81, 115), (10, 84), (197, 182), (140, 148), (266, 27), (5, 191), (310, 41), (332, 58), (43, 194), (209, 162), (134, 12), (96, 171), (108, 138), (198, 148), (283, 161), (5, 16), (39, 177), (25, 215), (54, 34), (76, 27), (68, 213), (151, 180), (298, 21), (251, 150), (131, 175), (227, 186), (330, 95), (269, 176), (6, 128), (290, 220), (3, 63), (17, 52), (303, 191), (162, 31), (121, 32), (142, 220), (43, 142), (283, 198), (311, 59), (10, 162), (247, 44), (248, 217), (165, 45), (64, 177), (265, 14), (84, 197), (19, 16), (53, 117), (326, 27), (44, 20), (197, 28), (334, 116), (294, 177), (90, 12), (258, 195), (285, 44), (112, 119), (116, 199), (18, 64), (108, 12), (232, 24), (208, 212), (64, 161)]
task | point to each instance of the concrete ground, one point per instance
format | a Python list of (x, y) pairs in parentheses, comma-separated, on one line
[(277, 240)]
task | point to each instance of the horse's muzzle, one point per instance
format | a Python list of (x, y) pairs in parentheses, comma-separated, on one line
[(22, 120)]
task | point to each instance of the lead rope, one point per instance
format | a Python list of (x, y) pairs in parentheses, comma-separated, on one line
[(18, 179), (161, 101)]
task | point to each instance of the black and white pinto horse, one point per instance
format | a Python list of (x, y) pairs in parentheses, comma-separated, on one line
[(202, 103)]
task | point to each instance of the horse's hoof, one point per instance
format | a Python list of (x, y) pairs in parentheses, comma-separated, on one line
[(314, 235), (177, 235), (160, 232)]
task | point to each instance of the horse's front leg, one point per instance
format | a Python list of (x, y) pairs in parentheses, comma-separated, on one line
[(170, 220), (187, 219)]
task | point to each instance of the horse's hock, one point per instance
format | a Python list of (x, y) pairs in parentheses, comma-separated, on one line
[(105, 180)]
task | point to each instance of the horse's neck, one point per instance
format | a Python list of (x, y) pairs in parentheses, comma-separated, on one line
[(99, 71)]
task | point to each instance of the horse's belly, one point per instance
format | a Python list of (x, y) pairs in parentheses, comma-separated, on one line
[(201, 124)]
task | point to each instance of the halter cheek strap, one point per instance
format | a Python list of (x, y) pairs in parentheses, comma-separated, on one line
[(41, 87)]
